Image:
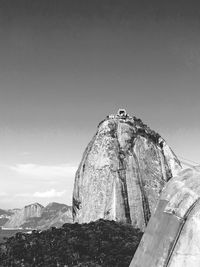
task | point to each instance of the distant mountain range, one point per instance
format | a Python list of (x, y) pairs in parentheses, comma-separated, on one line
[(36, 216)]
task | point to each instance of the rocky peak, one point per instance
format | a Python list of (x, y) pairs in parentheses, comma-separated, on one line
[(55, 205), (35, 216), (54, 208), (33, 210), (137, 125), (122, 172)]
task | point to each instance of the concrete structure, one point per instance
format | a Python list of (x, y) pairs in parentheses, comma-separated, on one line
[(172, 237), (122, 113)]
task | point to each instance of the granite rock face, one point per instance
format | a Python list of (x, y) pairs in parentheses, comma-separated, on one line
[(122, 172), (33, 210)]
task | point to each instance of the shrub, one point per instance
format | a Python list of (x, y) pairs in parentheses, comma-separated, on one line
[(100, 243)]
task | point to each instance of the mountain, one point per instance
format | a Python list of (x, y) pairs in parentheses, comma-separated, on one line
[(122, 172), (5, 212), (4, 216), (33, 210), (54, 214), (35, 216), (20, 216)]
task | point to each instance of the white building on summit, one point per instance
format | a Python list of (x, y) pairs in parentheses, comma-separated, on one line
[(120, 114)]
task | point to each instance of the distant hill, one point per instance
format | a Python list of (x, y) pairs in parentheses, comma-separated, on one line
[(4, 216), (36, 216), (5, 212)]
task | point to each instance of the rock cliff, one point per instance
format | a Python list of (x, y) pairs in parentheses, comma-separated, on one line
[(5, 216), (33, 210), (22, 215), (122, 172), (35, 216)]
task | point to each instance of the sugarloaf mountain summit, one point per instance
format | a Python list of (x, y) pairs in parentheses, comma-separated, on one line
[(122, 172)]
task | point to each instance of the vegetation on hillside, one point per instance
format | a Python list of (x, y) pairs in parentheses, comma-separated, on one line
[(100, 243)]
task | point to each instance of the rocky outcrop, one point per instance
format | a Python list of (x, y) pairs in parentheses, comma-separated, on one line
[(172, 238), (21, 215), (35, 216), (5, 216), (33, 210), (55, 214), (122, 172)]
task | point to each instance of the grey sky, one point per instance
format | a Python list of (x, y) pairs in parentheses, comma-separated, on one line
[(65, 65)]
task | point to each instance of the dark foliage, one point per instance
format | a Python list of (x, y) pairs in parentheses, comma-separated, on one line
[(100, 243)]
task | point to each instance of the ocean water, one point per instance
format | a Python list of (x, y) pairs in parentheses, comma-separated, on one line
[(9, 233)]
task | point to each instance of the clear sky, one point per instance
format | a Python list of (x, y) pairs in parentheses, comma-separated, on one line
[(66, 64)]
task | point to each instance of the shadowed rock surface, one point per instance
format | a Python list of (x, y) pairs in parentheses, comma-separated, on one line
[(122, 172)]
